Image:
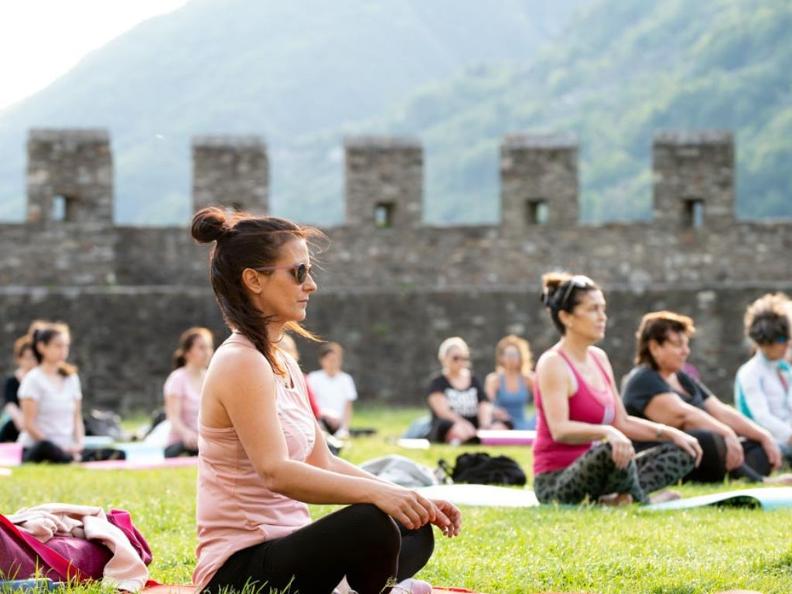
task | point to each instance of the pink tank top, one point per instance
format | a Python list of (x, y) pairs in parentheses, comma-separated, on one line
[(586, 405), (235, 510)]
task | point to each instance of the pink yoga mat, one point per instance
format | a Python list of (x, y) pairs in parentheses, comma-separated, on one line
[(140, 464), (166, 589)]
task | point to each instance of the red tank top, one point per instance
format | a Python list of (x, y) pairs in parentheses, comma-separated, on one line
[(586, 405)]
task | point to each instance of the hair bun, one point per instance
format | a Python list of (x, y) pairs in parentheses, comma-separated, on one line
[(210, 224), (551, 282)]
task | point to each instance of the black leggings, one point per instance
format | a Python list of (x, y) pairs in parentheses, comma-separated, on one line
[(713, 463), (46, 451), (178, 449), (359, 542)]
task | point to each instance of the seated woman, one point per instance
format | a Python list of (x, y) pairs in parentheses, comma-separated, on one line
[(583, 449), (659, 390), (333, 389), (182, 391), (763, 386), (262, 455), (50, 396), (510, 386), (12, 415), (457, 402)]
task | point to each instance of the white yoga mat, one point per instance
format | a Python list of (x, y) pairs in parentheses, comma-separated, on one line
[(481, 495), (765, 499)]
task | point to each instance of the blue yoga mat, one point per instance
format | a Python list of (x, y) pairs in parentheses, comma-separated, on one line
[(766, 499)]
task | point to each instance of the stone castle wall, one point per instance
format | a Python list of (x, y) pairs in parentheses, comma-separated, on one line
[(391, 287)]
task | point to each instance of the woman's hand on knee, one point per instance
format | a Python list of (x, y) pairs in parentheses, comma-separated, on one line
[(407, 507), (621, 447), (449, 518)]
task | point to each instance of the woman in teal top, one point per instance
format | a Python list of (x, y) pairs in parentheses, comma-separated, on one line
[(510, 386)]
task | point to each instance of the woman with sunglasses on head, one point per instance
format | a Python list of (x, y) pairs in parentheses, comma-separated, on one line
[(583, 449), (659, 390), (262, 456), (457, 401), (182, 390), (763, 386), (50, 397)]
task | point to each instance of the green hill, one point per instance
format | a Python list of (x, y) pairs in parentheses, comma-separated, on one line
[(622, 71), (285, 70)]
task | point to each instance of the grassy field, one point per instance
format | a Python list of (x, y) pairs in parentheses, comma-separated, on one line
[(583, 549)]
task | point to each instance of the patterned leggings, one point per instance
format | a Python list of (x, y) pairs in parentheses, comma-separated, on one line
[(594, 474)]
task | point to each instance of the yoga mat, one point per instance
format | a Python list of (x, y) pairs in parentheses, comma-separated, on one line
[(766, 499), (481, 495), (506, 436), (167, 589), (140, 464)]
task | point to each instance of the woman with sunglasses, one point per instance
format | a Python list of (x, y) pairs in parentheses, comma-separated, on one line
[(457, 401), (262, 456), (763, 386), (659, 390), (583, 449)]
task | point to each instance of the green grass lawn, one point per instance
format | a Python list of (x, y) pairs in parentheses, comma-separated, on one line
[(584, 549)]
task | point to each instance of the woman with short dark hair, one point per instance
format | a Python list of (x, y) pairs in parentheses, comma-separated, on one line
[(763, 386), (659, 390), (583, 449)]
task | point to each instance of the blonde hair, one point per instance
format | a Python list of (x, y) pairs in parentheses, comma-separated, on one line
[(448, 344), (523, 347)]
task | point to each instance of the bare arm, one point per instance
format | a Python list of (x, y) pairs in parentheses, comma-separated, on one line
[(485, 413), (347, 420), (738, 423), (173, 408), (439, 405), (243, 384), (491, 386), (15, 413), (79, 427), (30, 416), (670, 409)]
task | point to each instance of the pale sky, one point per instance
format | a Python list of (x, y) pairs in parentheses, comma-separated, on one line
[(42, 39)]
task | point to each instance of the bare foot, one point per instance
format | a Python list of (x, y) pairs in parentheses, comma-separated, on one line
[(780, 479), (615, 499), (412, 586), (664, 496)]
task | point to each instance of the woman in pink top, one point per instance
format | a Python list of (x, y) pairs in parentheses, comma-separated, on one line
[(262, 456), (183, 390), (583, 449)]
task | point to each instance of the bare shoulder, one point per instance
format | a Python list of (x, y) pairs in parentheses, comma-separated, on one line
[(550, 361), (601, 355), (234, 365)]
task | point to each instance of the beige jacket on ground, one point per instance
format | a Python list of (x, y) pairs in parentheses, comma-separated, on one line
[(124, 571)]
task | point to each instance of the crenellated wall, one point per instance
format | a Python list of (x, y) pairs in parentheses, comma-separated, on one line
[(391, 287)]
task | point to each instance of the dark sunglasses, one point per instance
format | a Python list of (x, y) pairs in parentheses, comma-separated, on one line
[(298, 271), (457, 358)]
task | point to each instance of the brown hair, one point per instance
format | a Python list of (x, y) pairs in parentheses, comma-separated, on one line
[(562, 291), (245, 241), (186, 341), (522, 346), (655, 326), (44, 335), (330, 347), (767, 319)]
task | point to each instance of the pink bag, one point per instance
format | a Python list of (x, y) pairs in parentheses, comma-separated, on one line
[(62, 558)]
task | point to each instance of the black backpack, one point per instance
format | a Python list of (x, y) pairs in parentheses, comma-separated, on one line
[(482, 469)]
